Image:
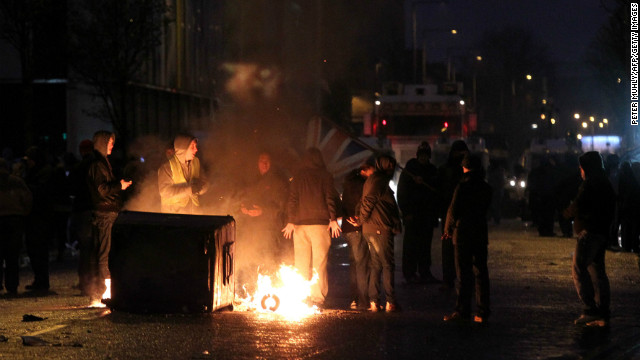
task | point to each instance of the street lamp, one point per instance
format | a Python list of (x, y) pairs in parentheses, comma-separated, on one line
[(462, 118)]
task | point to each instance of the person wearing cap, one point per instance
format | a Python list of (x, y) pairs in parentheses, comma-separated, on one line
[(379, 215), (466, 226), (418, 201), (106, 199), (181, 181), (593, 211)]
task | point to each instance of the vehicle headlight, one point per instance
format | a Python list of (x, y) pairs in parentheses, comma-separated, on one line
[(512, 182), (523, 184)]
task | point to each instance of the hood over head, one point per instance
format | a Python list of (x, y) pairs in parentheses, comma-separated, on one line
[(312, 158), (386, 164), (181, 145), (472, 162), (592, 164), (458, 150), (101, 141)]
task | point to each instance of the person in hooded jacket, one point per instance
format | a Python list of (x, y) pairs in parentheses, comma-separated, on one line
[(466, 226), (379, 215), (593, 211), (449, 176), (312, 211), (15, 203), (106, 199), (181, 181)]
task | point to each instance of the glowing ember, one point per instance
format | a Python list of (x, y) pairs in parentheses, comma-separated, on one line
[(284, 295), (97, 303)]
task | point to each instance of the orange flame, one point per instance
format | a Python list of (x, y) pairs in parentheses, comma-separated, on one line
[(284, 295), (97, 303)]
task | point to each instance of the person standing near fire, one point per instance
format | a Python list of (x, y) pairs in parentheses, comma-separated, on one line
[(106, 199), (312, 211), (379, 215), (181, 181), (262, 206), (358, 247)]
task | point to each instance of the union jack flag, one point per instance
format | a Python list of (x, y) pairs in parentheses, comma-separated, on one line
[(341, 151)]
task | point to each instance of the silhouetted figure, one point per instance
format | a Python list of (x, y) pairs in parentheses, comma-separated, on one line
[(466, 225), (418, 201), (15, 204), (612, 171), (542, 184), (629, 208), (449, 176), (566, 191), (39, 222), (358, 248), (61, 201), (592, 210)]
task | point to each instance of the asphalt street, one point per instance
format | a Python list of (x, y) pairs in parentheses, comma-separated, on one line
[(534, 304)]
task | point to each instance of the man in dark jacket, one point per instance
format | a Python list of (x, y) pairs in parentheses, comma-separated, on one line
[(593, 211), (106, 198), (379, 216), (358, 248), (263, 204), (466, 225), (417, 198), (312, 211)]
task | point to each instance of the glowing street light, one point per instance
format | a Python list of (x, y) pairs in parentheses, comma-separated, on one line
[(576, 116), (579, 136), (529, 77), (592, 119), (584, 124), (605, 121)]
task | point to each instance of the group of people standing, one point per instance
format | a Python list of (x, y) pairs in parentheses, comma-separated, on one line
[(293, 220)]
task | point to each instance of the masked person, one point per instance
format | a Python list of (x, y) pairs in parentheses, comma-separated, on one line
[(180, 179), (312, 209), (106, 200), (593, 211), (467, 228)]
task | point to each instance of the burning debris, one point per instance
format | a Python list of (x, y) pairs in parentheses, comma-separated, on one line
[(106, 295), (285, 294)]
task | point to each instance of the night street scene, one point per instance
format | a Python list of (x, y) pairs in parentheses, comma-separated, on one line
[(201, 179)]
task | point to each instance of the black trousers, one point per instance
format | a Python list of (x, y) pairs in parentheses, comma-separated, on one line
[(471, 267), (382, 265), (102, 223), (11, 232), (416, 247), (589, 275), (38, 227), (359, 267)]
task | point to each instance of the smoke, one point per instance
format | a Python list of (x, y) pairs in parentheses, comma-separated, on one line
[(256, 120)]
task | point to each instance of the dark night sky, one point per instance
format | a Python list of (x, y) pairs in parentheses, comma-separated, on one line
[(565, 26)]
